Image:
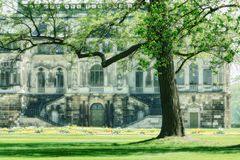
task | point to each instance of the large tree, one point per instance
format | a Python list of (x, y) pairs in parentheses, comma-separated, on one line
[(157, 32), (185, 30)]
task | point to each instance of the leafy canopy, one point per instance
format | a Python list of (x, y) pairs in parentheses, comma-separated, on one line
[(189, 29), (145, 30)]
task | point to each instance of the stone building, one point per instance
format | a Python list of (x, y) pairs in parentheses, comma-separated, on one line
[(52, 89), (49, 87)]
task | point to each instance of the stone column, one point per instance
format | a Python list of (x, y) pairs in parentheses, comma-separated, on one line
[(227, 109), (87, 70), (109, 75), (227, 112), (118, 112), (80, 70), (68, 78), (105, 75)]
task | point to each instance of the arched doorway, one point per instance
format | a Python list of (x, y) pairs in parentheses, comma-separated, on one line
[(97, 115)]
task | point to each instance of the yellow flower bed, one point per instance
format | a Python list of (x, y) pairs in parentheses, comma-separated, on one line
[(109, 131)]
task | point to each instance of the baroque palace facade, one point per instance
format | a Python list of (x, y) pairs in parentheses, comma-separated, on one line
[(45, 86)]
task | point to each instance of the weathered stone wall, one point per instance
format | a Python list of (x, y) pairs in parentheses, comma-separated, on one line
[(10, 109), (210, 108), (112, 110)]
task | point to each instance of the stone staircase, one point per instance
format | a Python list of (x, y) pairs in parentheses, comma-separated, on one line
[(50, 122), (35, 107), (25, 121), (152, 100), (150, 121)]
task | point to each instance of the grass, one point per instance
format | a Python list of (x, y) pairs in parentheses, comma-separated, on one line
[(44, 146)]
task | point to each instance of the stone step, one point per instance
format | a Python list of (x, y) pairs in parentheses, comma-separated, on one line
[(148, 122), (24, 121)]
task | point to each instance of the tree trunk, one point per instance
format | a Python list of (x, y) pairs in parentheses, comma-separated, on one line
[(172, 124)]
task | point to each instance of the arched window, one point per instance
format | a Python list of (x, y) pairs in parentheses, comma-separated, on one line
[(207, 76), (107, 47), (59, 82), (148, 81), (97, 106), (9, 75), (41, 79), (42, 28), (96, 76), (193, 74), (180, 77), (139, 80)]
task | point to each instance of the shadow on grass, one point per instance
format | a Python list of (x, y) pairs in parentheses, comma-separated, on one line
[(35, 150), (143, 141)]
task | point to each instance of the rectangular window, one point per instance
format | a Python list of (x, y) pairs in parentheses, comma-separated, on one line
[(2, 79), (8, 47), (221, 76), (139, 79), (193, 74), (59, 49), (148, 81), (180, 77), (156, 82), (44, 49), (5, 78), (50, 49), (207, 76)]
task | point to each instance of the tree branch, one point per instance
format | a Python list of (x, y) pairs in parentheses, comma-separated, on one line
[(115, 58), (180, 5), (114, 22), (197, 21), (186, 59), (122, 55)]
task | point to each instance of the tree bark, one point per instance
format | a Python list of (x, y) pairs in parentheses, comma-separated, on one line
[(172, 124)]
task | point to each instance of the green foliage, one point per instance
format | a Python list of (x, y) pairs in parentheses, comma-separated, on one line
[(79, 30), (191, 28), (179, 28)]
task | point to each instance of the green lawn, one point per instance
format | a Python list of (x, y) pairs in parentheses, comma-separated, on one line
[(121, 147)]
